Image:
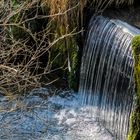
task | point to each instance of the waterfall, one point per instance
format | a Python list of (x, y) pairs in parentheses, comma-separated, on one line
[(106, 78)]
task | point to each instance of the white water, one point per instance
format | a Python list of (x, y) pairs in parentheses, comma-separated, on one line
[(57, 118), (106, 79)]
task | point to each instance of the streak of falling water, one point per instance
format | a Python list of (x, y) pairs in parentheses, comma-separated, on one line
[(106, 78)]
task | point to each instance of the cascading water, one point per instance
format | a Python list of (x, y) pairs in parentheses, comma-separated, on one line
[(106, 78)]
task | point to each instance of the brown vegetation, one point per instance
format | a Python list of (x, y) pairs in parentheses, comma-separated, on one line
[(27, 36)]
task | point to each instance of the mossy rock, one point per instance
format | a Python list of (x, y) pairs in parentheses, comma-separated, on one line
[(67, 60), (134, 133)]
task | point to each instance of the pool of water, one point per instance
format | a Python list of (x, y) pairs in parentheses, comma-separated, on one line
[(41, 117)]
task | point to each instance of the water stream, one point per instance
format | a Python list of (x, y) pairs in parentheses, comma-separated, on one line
[(106, 80)]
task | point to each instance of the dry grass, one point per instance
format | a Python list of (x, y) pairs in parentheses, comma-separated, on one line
[(68, 10), (63, 13)]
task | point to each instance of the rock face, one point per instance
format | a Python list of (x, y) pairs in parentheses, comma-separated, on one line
[(60, 117), (130, 15)]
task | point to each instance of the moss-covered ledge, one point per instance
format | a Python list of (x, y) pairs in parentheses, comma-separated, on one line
[(134, 133)]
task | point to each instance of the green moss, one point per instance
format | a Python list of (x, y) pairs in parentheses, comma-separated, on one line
[(134, 133), (72, 77), (64, 52), (64, 56)]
